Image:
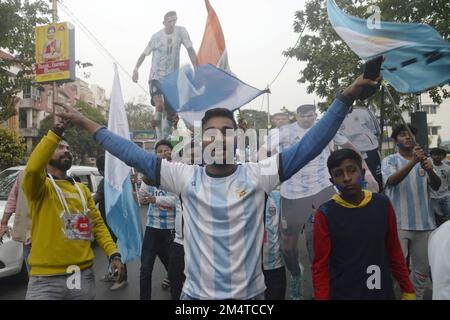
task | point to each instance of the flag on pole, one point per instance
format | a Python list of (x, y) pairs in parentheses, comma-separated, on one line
[(416, 57), (122, 213), (213, 49), (192, 94)]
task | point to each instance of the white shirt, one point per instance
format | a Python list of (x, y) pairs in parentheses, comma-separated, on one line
[(313, 177), (223, 227), (439, 259), (166, 51), (361, 128), (161, 214), (179, 224), (443, 172), (410, 197)]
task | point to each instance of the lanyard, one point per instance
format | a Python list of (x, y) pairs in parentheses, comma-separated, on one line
[(62, 198)]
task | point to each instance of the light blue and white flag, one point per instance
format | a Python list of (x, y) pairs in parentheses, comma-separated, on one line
[(192, 94), (122, 211), (416, 57)]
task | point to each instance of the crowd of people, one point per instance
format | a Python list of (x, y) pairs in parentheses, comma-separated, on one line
[(230, 230)]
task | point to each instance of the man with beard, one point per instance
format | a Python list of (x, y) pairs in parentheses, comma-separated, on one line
[(64, 222), (223, 201)]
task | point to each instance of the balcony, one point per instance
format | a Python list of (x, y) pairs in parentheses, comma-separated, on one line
[(29, 132)]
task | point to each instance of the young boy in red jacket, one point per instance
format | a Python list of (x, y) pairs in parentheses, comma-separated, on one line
[(356, 246)]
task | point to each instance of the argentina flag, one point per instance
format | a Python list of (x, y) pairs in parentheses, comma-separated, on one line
[(191, 94), (122, 212), (416, 57)]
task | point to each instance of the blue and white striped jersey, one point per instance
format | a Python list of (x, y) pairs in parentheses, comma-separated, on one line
[(410, 197), (161, 214), (223, 227), (223, 215), (272, 254)]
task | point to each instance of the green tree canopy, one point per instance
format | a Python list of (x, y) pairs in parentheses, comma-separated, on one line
[(17, 21), (139, 116), (12, 148)]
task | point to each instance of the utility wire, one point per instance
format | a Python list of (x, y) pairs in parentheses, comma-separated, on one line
[(287, 59), (96, 41)]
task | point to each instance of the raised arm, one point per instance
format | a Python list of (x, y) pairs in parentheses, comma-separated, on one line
[(121, 148), (35, 172)]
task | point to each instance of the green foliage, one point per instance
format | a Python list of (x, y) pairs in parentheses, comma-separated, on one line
[(331, 64), (12, 148), (255, 119), (139, 116), (81, 142), (17, 21)]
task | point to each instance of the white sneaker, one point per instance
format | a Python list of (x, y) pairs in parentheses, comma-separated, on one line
[(118, 285)]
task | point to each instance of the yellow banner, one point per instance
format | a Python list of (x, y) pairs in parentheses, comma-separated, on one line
[(55, 52)]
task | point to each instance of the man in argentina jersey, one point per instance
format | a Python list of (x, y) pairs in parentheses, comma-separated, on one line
[(304, 192), (161, 223), (407, 175), (273, 264), (223, 204)]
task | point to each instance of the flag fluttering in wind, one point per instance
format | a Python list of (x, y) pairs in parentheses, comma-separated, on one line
[(122, 213), (416, 57), (192, 94), (213, 50)]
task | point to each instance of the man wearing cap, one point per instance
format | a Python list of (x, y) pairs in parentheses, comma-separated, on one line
[(165, 46)]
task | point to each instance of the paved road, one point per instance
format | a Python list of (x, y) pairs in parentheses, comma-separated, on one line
[(14, 288)]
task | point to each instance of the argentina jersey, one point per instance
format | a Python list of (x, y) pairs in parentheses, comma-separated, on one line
[(314, 176), (161, 214), (410, 197), (223, 227), (272, 255)]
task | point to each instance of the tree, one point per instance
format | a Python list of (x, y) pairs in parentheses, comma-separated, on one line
[(17, 21), (139, 116), (255, 119), (12, 148), (323, 45), (80, 141)]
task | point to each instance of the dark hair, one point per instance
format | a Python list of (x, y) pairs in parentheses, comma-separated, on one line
[(401, 128), (218, 112), (169, 14), (438, 152), (51, 28), (336, 158), (164, 142), (100, 163), (306, 108)]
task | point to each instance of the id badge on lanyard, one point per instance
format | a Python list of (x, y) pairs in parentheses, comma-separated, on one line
[(76, 225)]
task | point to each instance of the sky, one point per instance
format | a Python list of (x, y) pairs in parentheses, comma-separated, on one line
[(256, 34)]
